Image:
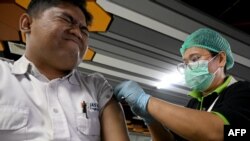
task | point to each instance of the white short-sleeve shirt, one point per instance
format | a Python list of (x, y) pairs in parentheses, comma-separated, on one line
[(32, 108)]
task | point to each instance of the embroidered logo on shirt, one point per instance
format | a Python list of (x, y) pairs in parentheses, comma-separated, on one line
[(93, 106)]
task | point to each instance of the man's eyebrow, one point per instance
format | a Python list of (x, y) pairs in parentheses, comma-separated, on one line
[(194, 54)]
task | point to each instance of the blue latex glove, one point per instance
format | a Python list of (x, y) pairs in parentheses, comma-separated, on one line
[(136, 98)]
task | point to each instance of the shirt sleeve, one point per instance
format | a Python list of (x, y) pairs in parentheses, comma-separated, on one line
[(235, 106), (103, 89)]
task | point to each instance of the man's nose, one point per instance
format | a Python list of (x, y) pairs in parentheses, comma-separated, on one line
[(76, 31)]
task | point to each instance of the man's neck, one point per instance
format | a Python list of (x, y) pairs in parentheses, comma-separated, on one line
[(48, 71), (51, 74)]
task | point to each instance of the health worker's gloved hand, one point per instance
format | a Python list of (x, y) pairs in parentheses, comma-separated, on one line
[(135, 96)]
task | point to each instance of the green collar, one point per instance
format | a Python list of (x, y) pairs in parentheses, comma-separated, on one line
[(218, 90)]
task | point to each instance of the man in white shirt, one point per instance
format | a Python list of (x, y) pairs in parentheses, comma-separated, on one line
[(42, 95)]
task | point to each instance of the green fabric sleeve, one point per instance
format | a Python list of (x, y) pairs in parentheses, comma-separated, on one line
[(222, 117)]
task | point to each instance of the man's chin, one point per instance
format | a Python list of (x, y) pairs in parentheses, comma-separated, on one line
[(69, 67)]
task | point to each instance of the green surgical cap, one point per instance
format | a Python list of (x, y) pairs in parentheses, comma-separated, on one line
[(210, 40)]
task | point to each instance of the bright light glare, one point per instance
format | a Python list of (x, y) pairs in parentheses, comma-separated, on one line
[(169, 79)]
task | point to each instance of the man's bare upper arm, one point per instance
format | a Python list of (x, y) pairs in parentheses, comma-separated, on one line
[(113, 122)]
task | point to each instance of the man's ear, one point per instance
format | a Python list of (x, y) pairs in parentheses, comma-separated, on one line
[(25, 23)]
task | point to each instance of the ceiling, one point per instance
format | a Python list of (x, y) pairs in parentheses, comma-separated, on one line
[(142, 42), (232, 12)]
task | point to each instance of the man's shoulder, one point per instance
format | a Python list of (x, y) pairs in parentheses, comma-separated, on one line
[(91, 77), (93, 80), (240, 85), (7, 60), (4, 62), (238, 89)]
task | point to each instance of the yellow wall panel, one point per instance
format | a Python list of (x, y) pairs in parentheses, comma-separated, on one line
[(89, 55), (1, 46), (23, 3), (101, 19)]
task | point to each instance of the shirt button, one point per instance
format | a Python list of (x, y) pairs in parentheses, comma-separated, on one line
[(55, 110)]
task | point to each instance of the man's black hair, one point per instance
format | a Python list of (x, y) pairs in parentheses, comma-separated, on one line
[(37, 6)]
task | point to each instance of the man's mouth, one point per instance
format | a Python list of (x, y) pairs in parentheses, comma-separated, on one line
[(75, 40)]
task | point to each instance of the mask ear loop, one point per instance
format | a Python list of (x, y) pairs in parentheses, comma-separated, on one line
[(216, 71), (213, 57), (212, 60)]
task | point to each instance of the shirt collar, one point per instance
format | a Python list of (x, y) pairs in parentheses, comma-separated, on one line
[(73, 78), (198, 95), (23, 65)]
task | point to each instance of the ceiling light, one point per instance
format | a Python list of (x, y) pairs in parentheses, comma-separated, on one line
[(169, 79)]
